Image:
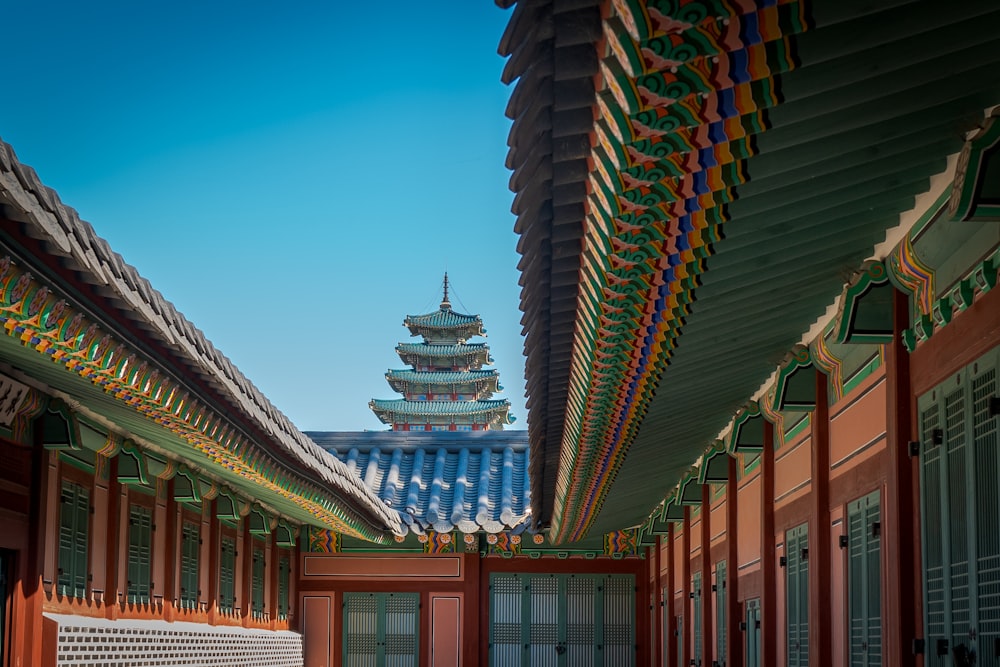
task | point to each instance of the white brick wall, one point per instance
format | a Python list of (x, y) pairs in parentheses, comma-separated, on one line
[(94, 642)]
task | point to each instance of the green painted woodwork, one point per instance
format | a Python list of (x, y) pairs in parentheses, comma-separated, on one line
[(721, 636), (227, 575), (57, 428), (186, 486), (561, 620), (797, 596), (747, 432), (864, 581), (698, 629), (74, 534), (753, 633), (714, 468), (190, 554), (132, 466), (690, 492), (865, 314), (257, 570), (139, 586), (976, 191), (60, 347), (284, 535), (284, 577), (960, 509), (796, 383), (227, 508), (381, 629), (258, 522)]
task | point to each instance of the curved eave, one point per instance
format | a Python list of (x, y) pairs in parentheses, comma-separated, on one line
[(809, 140), (79, 304)]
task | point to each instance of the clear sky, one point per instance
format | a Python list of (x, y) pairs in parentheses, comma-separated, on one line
[(295, 177)]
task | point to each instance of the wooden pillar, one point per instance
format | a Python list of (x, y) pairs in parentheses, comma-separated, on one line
[(272, 557), (820, 574), (475, 607), (170, 553), (771, 634), (734, 643), (214, 559), (688, 636), (112, 582), (901, 601), (656, 632), (34, 594), (707, 618), (668, 602), (244, 574)]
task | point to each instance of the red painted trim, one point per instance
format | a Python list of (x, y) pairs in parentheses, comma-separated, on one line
[(686, 587), (770, 632), (111, 580), (672, 638), (734, 638), (707, 606), (820, 571), (657, 629)]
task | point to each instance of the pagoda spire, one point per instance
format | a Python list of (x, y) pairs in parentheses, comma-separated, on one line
[(445, 303)]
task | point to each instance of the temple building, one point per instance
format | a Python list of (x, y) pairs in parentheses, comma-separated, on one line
[(759, 264), (446, 387)]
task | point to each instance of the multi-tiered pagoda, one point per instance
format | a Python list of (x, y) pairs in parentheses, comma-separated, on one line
[(446, 387)]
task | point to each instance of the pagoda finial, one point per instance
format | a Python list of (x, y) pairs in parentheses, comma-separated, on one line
[(445, 304)]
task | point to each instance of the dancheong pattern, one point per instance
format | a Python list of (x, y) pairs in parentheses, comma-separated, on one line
[(687, 84), (40, 320)]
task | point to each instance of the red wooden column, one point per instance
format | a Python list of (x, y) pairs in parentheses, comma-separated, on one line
[(214, 561), (734, 643), (707, 618), (901, 601), (112, 582), (771, 634), (171, 553), (686, 587), (656, 632), (671, 630), (33, 592), (244, 575), (820, 574)]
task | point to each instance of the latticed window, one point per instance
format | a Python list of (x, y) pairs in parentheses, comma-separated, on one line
[(960, 510), (227, 575), (720, 612), (380, 629), (696, 615), (562, 620), (74, 521), (140, 542), (864, 581), (257, 584), (190, 547), (284, 574), (797, 595)]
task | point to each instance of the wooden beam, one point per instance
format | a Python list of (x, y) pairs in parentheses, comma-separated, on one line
[(735, 638), (771, 634)]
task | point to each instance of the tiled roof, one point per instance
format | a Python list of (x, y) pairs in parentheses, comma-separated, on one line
[(132, 311), (428, 350), (445, 318), (426, 408), (469, 481), (441, 377)]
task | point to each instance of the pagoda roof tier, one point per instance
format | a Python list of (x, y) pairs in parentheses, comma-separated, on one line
[(402, 407), (445, 320), (413, 353), (400, 379)]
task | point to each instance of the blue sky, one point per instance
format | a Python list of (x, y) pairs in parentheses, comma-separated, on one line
[(295, 178)]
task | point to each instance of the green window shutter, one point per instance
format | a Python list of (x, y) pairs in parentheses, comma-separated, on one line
[(753, 632), (139, 554), (190, 541), (797, 595), (380, 629), (561, 620), (257, 584), (284, 574), (986, 498), (227, 575), (958, 521), (696, 612), (74, 521), (933, 523), (864, 581), (720, 612)]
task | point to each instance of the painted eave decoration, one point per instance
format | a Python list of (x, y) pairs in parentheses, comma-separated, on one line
[(695, 181), (66, 296)]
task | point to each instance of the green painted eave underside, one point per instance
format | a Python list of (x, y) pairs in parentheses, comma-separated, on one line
[(844, 155), (448, 378), (98, 402)]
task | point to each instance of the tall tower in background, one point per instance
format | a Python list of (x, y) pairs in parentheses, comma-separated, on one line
[(445, 387)]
